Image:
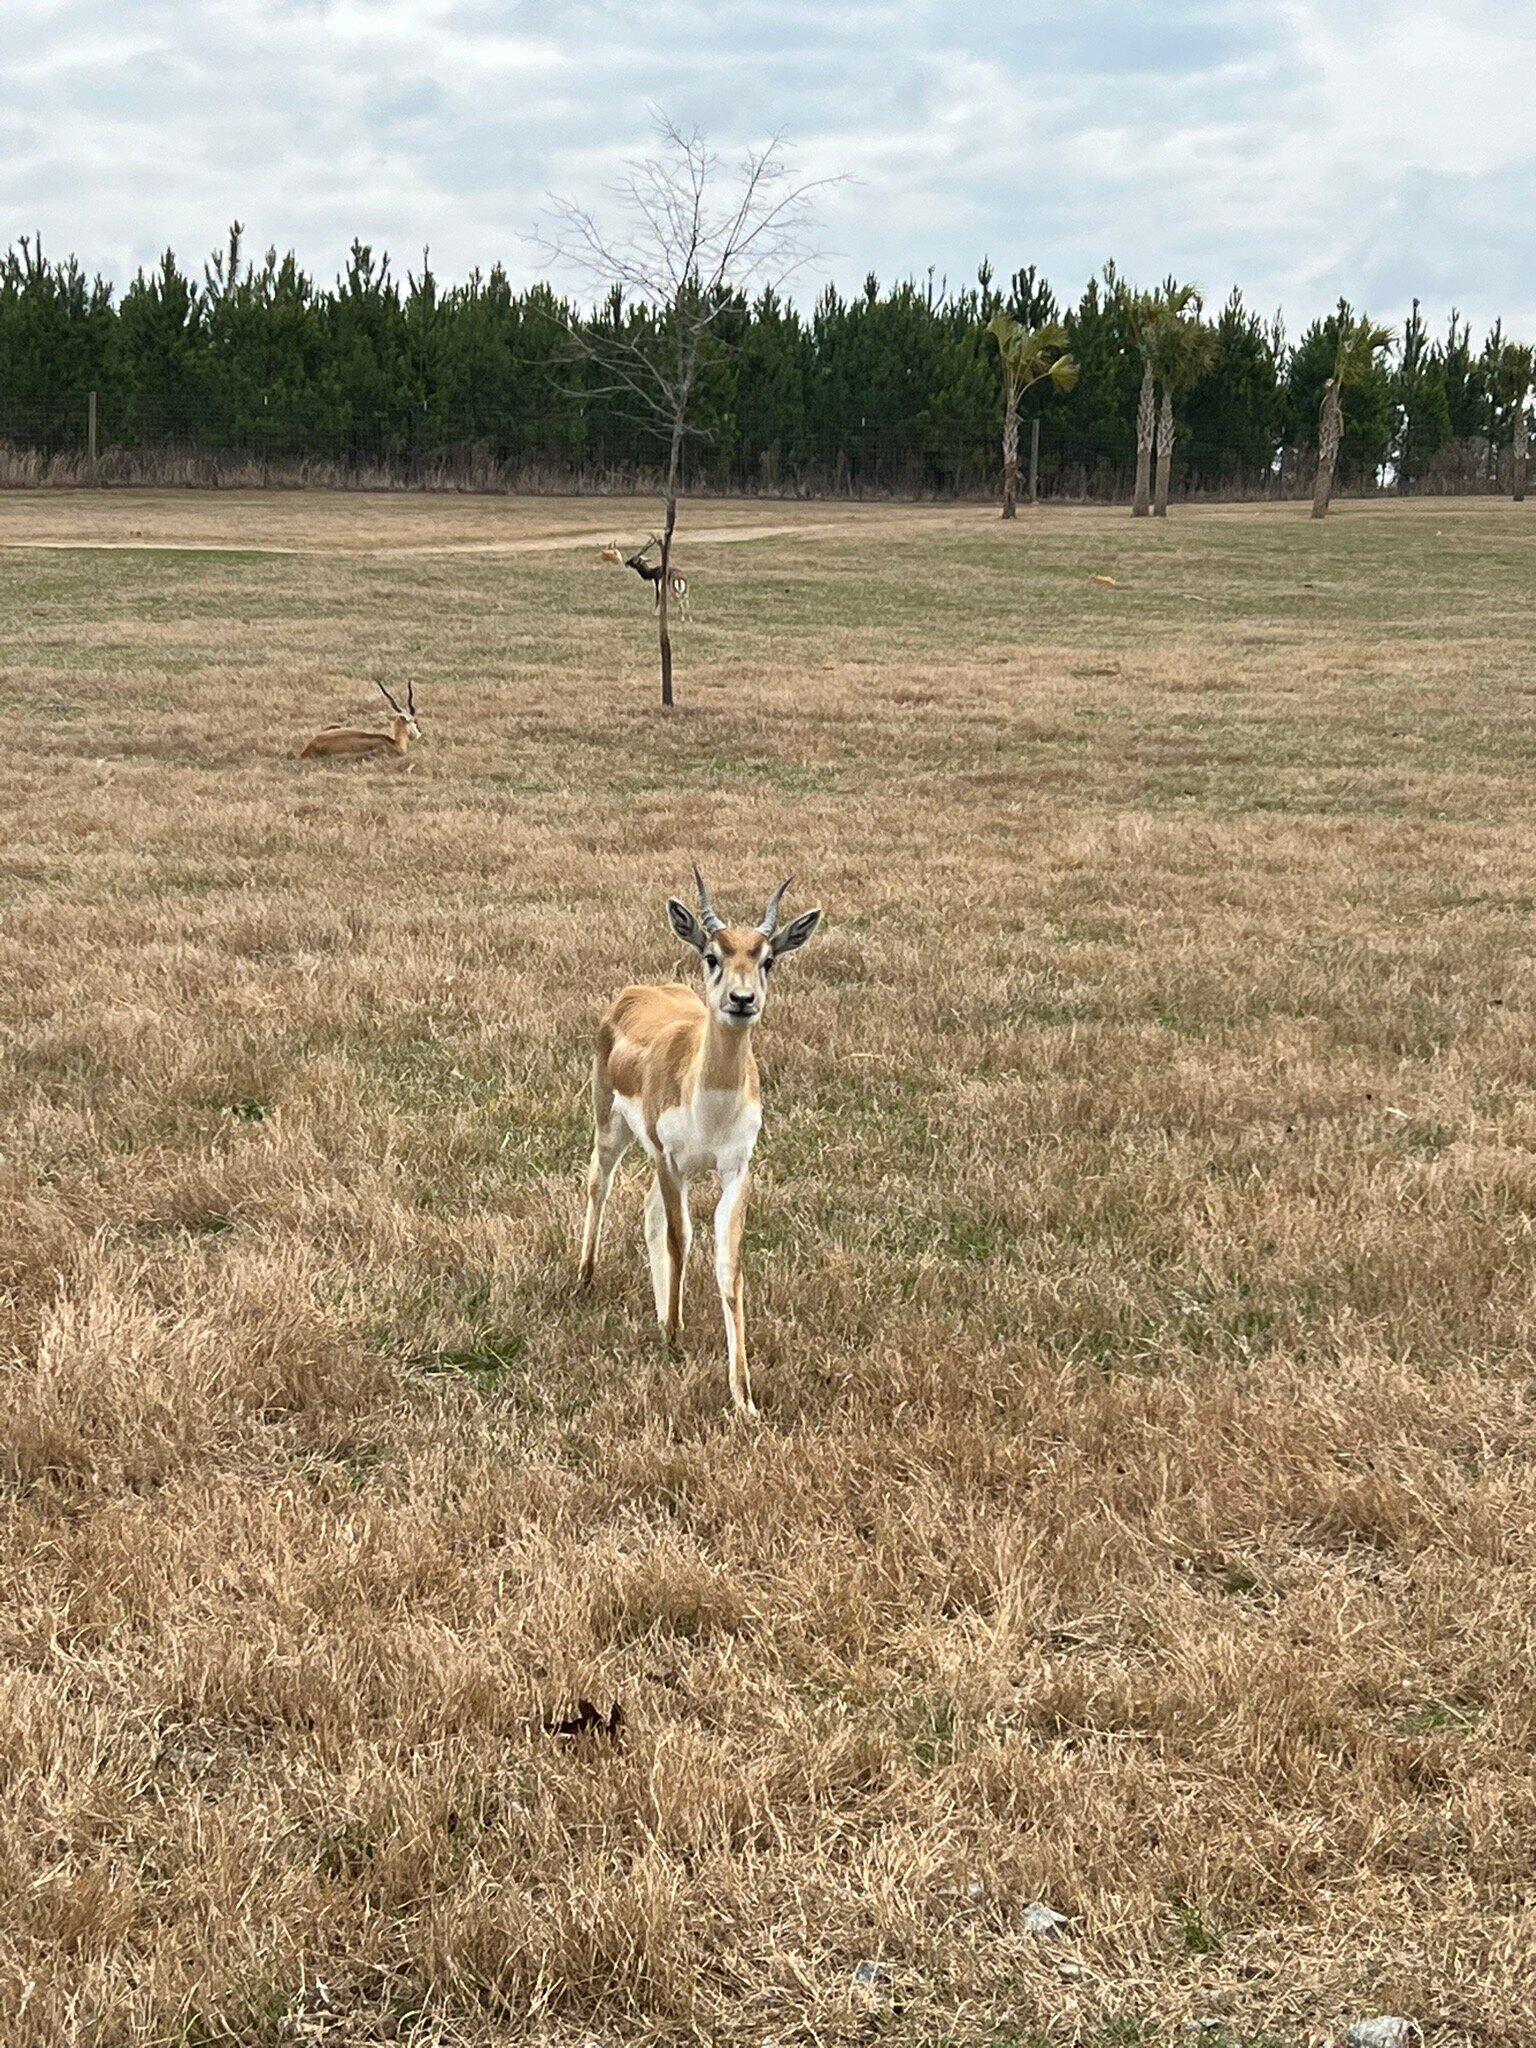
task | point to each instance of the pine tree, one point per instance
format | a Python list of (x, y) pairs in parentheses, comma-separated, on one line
[(1422, 411)]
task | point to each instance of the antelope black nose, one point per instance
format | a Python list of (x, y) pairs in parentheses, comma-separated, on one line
[(741, 1002)]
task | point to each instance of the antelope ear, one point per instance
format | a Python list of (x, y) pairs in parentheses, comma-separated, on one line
[(686, 925), (795, 933)]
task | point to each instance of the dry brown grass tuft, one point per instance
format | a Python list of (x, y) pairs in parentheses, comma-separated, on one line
[(1141, 1278)]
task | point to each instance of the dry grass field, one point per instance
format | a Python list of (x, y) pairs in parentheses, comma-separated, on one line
[(1140, 1274)]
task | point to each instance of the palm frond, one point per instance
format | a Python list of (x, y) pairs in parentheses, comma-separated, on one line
[(1031, 353), (1361, 341)]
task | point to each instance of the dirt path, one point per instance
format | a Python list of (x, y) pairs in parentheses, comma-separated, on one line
[(170, 547), (548, 543), (342, 527), (538, 545)]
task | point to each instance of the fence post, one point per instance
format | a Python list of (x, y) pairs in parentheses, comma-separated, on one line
[(91, 432), (1034, 460)]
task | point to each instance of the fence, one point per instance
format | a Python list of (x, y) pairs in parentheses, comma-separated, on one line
[(79, 441)]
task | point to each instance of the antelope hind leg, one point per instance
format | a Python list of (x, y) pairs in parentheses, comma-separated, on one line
[(608, 1149)]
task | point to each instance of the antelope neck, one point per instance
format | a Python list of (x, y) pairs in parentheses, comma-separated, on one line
[(723, 1062)]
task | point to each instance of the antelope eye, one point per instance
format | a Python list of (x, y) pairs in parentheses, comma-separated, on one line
[(712, 962)]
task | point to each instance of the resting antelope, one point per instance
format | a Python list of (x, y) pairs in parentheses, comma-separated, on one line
[(677, 1074), (351, 740)]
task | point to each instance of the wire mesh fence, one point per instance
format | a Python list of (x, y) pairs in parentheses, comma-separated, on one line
[(83, 438)]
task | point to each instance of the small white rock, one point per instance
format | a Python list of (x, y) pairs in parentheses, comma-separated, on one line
[(1384, 2033), (1044, 1921), (871, 1976)]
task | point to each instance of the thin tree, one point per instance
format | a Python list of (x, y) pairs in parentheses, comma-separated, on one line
[(1514, 375), (1182, 347), (1029, 356), (1147, 312), (1356, 355), (690, 236)]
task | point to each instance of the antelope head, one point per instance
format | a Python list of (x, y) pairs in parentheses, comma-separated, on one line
[(405, 721), (739, 959)]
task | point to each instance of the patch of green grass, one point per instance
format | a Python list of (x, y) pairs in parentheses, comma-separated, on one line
[(1440, 1716), (1130, 2031), (935, 1733), (1195, 1932), (494, 1357)]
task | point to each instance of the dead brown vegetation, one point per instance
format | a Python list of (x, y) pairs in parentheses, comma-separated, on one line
[(1141, 1517)]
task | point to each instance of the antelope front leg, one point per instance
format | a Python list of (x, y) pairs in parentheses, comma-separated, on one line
[(729, 1212), (668, 1232)]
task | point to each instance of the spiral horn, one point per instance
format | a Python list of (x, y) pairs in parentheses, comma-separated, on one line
[(707, 917), (770, 923)]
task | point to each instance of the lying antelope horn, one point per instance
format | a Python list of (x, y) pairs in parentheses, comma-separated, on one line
[(770, 923), (707, 917), (390, 701)]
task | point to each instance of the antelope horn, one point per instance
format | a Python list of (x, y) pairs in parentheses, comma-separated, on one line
[(390, 701), (770, 923), (707, 917), (410, 698)]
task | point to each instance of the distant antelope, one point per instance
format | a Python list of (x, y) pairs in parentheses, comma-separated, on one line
[(650, 572), (349, 740), (677, 1073)]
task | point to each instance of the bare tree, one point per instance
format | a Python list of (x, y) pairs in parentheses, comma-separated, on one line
[(684, 236)]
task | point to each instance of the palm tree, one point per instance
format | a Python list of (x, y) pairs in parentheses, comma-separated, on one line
[(1515, 374), (1181, 351), (1360, 342), (1147, 311), (1029, 356)]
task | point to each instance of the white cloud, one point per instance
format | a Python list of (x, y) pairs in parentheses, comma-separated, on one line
[(1283, 145)]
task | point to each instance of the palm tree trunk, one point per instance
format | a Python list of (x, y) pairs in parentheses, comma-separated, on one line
[(1330, 431), (1145, 417), (1010, 453), (1522, 449), (1164, 455)]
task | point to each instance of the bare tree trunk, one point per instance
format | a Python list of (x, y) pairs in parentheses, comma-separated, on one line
[(1145, 416), (1522, 449), (664, 587), (1164, 455), (1329, 433), (1010, 453)]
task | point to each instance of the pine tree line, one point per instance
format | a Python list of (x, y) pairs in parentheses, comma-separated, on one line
[(895, 387)]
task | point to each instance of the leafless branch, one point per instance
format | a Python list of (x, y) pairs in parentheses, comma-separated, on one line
[(691, 237)]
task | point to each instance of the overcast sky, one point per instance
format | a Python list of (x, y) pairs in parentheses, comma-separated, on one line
[(1299, 148)]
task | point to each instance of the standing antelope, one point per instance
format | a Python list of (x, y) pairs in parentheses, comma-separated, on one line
[(650, 572), (677, 1073), (350, 740)]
